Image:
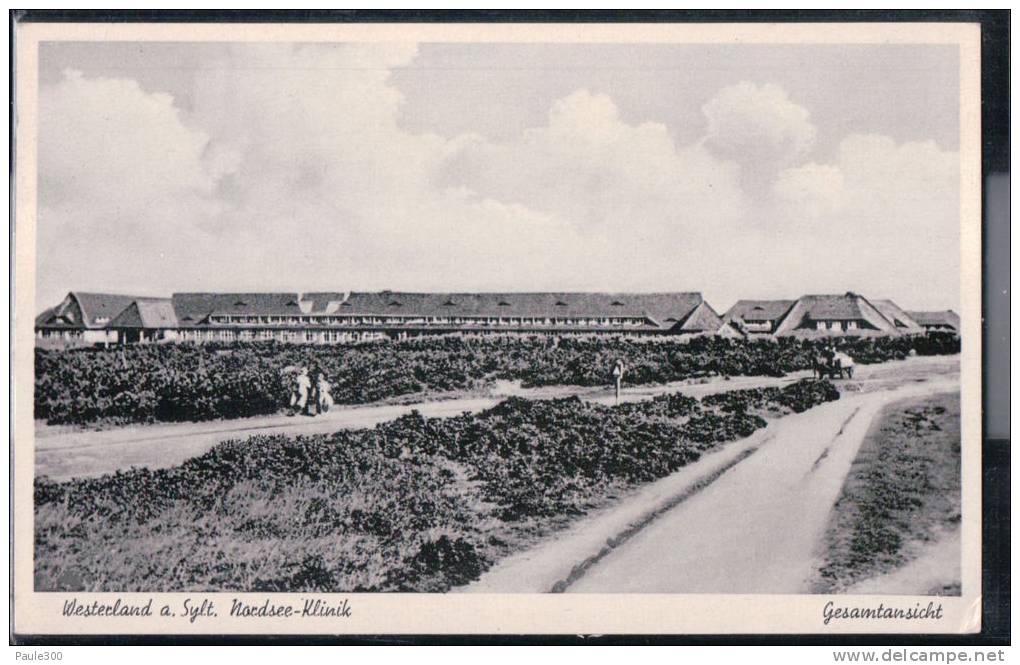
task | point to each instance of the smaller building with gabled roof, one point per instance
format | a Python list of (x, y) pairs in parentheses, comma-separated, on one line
[(901, 320), (821, 315), (847, 314), (146, 320), (757, 317), (81, 318), (702, 320), (940, 321)]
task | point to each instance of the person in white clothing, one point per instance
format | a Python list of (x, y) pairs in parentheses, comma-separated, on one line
[(299, 398)]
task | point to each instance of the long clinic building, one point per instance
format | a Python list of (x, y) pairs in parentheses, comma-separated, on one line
[(345, 317)]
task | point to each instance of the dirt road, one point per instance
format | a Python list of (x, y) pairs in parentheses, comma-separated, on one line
[(60, 453), (755, 530), (747, 519)]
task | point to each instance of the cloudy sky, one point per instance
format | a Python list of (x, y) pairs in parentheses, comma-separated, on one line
[(742, 171)]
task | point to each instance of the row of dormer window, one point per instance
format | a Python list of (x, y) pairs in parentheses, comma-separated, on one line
[(426, 320), (223, 335)]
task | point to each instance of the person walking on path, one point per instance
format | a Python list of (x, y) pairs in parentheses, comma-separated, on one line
[(323, 398), (302, 388), (618, 378), (289, 381)]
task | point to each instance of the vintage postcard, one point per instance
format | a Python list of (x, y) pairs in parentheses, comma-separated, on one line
[(497, 328)]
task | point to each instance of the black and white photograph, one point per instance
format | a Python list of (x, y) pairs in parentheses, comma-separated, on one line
[(355, 316)]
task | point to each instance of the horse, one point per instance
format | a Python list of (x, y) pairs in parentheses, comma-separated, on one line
[(823, 367), (839, 366), (845, 363)]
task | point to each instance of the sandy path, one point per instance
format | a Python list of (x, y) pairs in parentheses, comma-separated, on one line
[(63, 454), (747, 518), (757, 528), (551, 563)]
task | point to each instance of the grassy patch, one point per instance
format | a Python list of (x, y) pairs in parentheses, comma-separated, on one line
[(902, 490)]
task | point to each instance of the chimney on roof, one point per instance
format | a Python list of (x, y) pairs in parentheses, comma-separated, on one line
[(304, 305)]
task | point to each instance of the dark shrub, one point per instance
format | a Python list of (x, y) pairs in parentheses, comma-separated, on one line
[(186, 382)]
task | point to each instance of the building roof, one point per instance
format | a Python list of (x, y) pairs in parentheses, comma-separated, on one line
[(193, 308), (655, 306), (832, 308), (702, 319), (147, 313), (325, 302), (846, 307), (60, 317), (686, 312), (899, 318), (97, 310), (45, 316), (758, 310), (941, 318)]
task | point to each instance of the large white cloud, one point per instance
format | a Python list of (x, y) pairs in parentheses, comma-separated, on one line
[(603, 175), (123, 180), (883, 218), (877, 185), (99, 144), (289, 169), (310, 181), (758, 125), (810, 192)]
